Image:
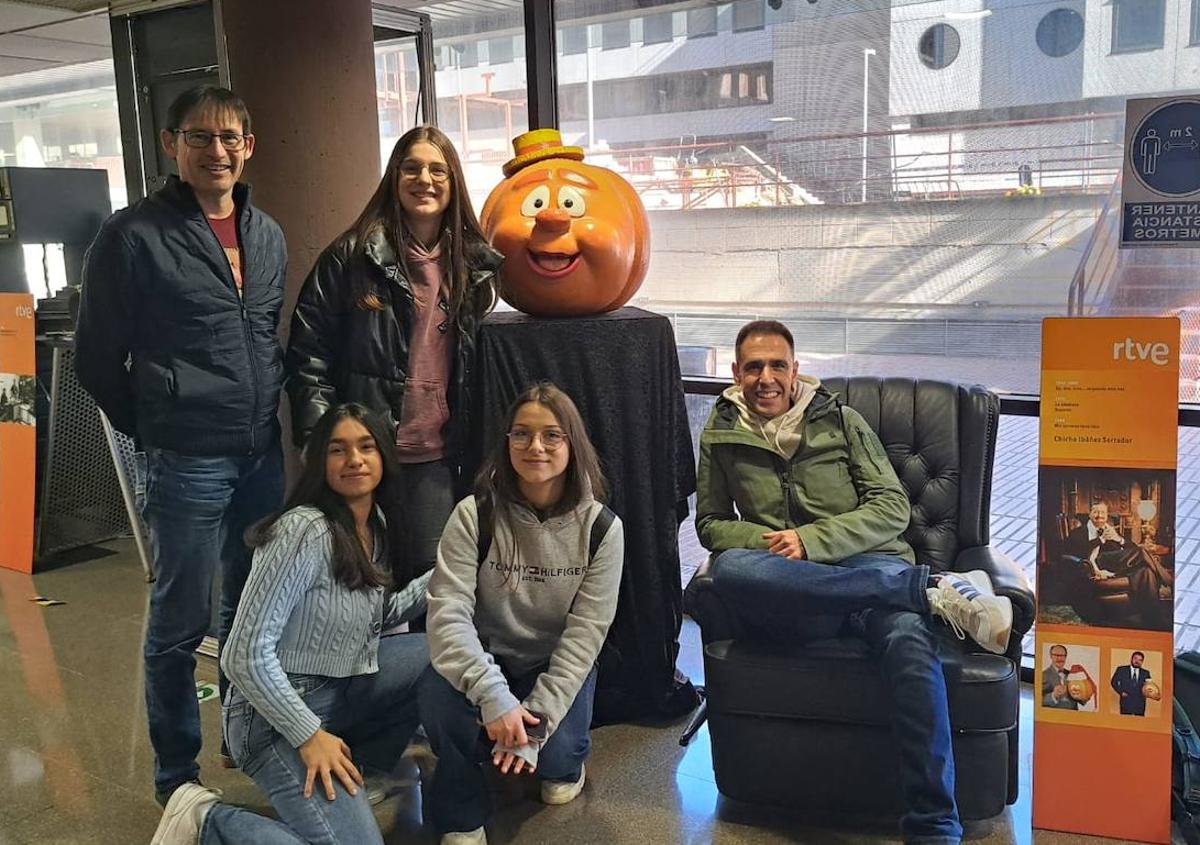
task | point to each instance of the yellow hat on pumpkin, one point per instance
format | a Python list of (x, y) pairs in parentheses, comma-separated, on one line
[(537, 145)]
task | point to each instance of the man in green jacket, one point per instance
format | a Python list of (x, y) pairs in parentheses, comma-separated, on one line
[(799, 502)]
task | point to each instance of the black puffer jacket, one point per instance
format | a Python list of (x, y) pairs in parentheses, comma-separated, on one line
[(206, 363), (339, 352)]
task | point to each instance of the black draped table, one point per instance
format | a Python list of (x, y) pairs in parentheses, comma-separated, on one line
[(622, 371)]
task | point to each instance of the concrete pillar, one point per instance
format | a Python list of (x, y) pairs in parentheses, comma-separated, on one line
[(306, 69)]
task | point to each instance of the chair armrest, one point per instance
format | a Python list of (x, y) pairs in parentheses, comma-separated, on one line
[(1008, 579), (701, 602)]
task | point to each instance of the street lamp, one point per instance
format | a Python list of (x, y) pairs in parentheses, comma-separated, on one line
[(867, 53)]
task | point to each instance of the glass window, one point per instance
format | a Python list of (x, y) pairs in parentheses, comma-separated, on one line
[(932, 247), (573, 40), (398, 88), (1060, 32), (1137, 25), (938, 47), (481, 108), (748, 15), (1195, 28), (614, 35), (500, 50), (659, 29), (684, 91), (702, 22), (63, 117)]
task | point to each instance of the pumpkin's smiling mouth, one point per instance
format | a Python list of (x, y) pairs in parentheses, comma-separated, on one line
[(552, 265)]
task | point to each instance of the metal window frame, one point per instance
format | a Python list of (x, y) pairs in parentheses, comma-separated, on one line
[(1115, 49), (541, 64), (420, 26)]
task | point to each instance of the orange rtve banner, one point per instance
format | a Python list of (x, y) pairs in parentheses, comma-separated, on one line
[(18, 433), (1106, 561)]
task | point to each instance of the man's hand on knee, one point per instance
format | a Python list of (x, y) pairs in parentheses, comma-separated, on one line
[(786, 543)]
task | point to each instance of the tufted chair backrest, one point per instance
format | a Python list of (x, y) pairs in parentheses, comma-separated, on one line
[(941, 439)]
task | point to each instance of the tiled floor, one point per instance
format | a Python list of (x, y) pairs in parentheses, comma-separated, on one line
[(75, 760)]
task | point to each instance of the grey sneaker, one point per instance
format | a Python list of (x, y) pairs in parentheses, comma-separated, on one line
[(184, 813), (470, 837), (966, 603), (560, 792)]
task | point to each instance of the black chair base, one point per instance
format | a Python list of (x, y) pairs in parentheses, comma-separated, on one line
[(699, 717)]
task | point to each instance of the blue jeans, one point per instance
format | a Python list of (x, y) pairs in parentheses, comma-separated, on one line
[(885, 599), (197, 509), (375, 714), (458, 799)]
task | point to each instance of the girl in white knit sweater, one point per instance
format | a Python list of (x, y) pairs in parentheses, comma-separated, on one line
[(521, 599)]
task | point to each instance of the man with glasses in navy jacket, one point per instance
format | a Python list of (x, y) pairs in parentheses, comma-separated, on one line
[(177, 343)]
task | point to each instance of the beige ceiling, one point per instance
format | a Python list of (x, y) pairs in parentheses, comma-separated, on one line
[(450, 9), (35, 37), (75, 6)]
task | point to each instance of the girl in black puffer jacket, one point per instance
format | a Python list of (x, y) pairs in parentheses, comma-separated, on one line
[(387, 317)]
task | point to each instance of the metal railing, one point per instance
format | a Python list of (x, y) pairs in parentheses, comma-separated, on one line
[(1015, 158), (1098, 260)]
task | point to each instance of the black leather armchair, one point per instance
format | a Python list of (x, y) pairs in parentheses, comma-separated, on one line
[(808, 726)]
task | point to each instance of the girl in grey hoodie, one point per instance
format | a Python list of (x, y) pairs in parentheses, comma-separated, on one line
[(520, 601)]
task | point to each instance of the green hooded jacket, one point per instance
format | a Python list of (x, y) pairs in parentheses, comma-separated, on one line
[(838, 491)]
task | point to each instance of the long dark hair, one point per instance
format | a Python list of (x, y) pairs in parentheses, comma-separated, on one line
[(496, 484), (385, 214), (351, 566)]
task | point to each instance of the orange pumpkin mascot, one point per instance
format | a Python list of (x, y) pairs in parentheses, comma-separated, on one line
[(574, 236)]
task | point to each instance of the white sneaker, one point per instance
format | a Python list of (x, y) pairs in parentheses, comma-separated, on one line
[(969, 608), (981, 580), (560, 792), (183, 815), (470, 837)]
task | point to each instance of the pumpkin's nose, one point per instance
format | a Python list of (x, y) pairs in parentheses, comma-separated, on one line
[(556, 221)]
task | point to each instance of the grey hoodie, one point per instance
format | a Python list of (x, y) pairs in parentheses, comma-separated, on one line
[(543, 604), (783, 433)]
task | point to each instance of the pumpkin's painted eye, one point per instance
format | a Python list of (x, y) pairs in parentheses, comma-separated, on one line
[(537, 200), (571, 201)]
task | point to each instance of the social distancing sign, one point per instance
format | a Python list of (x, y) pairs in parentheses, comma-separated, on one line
[(1160, 186)]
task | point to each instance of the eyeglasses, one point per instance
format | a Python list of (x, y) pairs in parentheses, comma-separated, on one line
[(412, 170), (198, 139), (551, 439)]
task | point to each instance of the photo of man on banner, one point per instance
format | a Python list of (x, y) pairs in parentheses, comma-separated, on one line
[(1135, 681), (1105, 539), (1068, 677)]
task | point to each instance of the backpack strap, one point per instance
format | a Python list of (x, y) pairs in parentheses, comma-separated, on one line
[(600, 526), (483, 512)]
